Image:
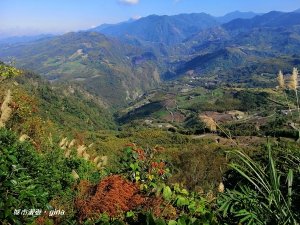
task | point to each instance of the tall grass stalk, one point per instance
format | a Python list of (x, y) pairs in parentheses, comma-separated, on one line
[(282, 86), (227, 134), (297, 102), (293, 84), (267, 182), (295, 80), (280, 79)]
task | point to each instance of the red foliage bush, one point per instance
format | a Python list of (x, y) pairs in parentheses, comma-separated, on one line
[(113, 195)]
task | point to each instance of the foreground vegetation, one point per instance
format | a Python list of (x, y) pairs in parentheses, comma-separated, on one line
[(139, 191), (92, 173)]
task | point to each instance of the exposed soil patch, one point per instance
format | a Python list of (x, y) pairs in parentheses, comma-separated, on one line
[(177, 117)]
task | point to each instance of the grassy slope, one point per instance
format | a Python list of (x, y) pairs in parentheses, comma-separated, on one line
[(102, 65), (68, 107)]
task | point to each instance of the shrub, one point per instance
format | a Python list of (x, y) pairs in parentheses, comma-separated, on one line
[(8, 71), (113, 195), (263, 197), (30, 180), (20, 170)]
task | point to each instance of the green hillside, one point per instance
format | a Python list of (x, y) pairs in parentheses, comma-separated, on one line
[(92, 60), (65, 107)]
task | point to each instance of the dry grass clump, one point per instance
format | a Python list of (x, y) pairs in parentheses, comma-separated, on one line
[(293, 81), (281, 80), (209, 122), (81, 151), (5, 109), (75, 175), (102, 161), (221, 188), (293, 85), (24, 137)]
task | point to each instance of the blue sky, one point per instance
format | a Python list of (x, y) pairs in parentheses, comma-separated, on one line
[(26, 17)]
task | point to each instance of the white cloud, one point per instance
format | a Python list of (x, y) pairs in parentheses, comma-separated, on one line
[(129, 2)]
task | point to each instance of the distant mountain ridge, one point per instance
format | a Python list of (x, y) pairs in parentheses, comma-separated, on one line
[(251, 42), (24, 39), (130, 28), (168, 29), (138, 55), (161, 29), (271, 19), (235, 15), (158, 27)]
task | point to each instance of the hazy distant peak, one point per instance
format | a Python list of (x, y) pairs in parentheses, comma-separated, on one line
[(236, 15), (24, 39), (297, 10), (161, 29), (270, 19)]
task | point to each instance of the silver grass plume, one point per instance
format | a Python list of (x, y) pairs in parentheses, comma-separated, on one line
[(5, 109), (294, 85), (280, 80)]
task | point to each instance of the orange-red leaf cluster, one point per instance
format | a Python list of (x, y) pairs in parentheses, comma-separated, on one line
[(158, 166), (113, 195), (141, 154)]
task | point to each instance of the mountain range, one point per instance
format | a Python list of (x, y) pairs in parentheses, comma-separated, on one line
[(242, 43), (119, 62), (271, 19), (168, 29), (161, 29)]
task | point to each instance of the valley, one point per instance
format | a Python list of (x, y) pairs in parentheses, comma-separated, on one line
[(189, 112)]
